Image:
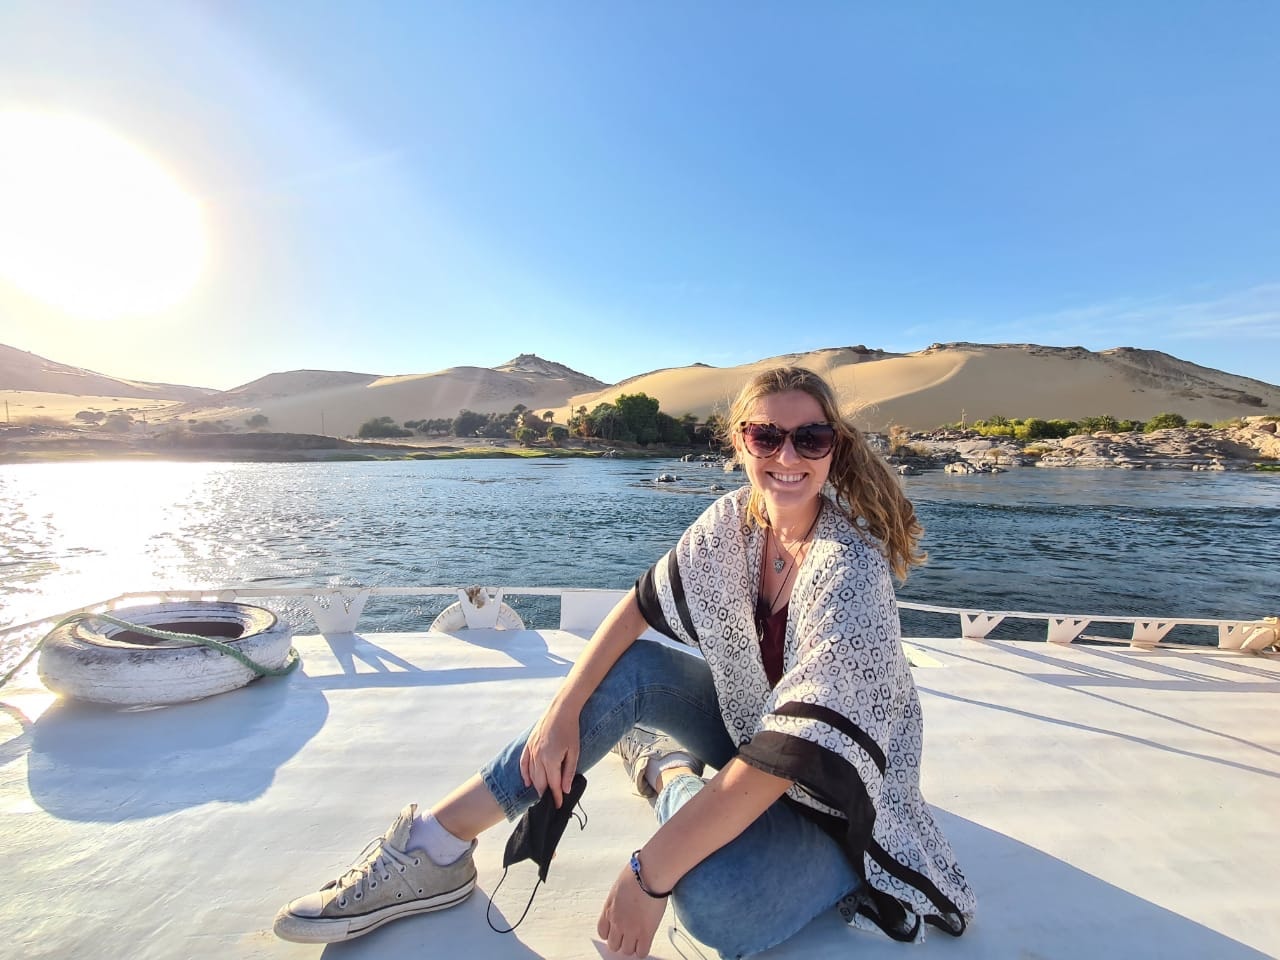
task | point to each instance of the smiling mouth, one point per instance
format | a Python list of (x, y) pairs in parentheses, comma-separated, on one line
[(788, 477)]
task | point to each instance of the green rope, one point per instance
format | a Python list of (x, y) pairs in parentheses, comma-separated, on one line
[(258, 669)]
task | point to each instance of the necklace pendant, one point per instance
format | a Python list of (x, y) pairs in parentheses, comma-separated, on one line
[(778, 564)]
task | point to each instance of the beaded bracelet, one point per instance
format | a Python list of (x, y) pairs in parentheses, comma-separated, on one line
[(635, 868)]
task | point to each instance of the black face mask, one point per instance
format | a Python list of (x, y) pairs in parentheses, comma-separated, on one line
[(536, 836)]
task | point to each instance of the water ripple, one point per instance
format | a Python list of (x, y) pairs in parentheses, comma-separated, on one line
[(1102, 542)]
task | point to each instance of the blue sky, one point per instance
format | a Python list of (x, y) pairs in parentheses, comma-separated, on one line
[(399, 188)]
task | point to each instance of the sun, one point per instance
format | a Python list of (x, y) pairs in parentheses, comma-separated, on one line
[(89, 223)]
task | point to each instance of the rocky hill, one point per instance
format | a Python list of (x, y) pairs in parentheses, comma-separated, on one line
[(337, 403), (533, 365)]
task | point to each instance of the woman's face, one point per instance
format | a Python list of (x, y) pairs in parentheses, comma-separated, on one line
[(788, 482)]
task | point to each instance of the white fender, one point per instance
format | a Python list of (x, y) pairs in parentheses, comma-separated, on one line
[(88, 660), (477, 608)]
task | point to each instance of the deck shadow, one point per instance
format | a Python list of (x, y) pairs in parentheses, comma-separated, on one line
[(92, 763), (1069, 678), (1030, 904), (1034, 905), (528, 651), (458, 932)]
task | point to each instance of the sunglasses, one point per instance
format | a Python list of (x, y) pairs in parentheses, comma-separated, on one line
[(813, 441)]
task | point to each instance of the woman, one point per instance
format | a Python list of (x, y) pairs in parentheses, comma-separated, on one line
[(803, 702)]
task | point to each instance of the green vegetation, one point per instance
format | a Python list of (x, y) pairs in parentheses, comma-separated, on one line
[(504, 453), (631, 419), (469, 423), (1034, 428), (439, 427), (1164, 421), (636, 418), (381, 427), (118, 423), (209, 426), (257, 421)]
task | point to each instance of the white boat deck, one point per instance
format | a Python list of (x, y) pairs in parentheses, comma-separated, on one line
[(1104, 801)]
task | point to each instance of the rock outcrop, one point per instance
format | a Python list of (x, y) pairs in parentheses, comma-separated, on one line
[(1255, 441), (1231, 448)]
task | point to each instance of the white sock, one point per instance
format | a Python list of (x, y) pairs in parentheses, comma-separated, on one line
[(653, 770), (441, 845)]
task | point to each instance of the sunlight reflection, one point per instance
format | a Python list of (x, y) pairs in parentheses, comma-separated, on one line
[(106, 528)]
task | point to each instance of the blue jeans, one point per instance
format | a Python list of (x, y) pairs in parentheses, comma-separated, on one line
[(755, 891)]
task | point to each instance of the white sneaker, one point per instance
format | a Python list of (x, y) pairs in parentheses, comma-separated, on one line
[(384, 883), (640, 745)]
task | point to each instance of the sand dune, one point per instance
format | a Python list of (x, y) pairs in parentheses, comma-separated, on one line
[(943, 384), (1017, 381), (919, 390), (860, 380), (38, 406), (22, 371)]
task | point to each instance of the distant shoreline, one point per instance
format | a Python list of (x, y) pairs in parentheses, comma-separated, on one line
[(1253, 448), (51, 445)]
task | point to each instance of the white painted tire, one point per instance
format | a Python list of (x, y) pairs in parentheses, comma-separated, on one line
[(95, 661), (452, 619)]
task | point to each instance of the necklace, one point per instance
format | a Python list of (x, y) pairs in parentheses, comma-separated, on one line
[(779, 563), (765, 610)]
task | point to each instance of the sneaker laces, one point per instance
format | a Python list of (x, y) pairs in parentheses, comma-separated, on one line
[(636, 742), (369, 867)]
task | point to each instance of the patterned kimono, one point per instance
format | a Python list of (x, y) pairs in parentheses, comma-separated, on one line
[(843, 723)]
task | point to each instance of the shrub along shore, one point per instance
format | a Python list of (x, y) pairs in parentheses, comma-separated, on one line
[(634, 427), (1254, 444)]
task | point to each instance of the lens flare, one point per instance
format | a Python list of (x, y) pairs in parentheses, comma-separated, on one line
[(89, 223)]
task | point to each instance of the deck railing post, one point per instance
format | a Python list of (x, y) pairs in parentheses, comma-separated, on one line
[(976, 624), (1065, 629), (337, 611), (1148, 633)]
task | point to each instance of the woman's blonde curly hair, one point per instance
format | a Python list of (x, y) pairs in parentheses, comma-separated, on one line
[(863, 484)]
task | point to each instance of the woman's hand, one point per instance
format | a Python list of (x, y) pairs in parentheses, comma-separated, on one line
[(550, 756), (630, 917)]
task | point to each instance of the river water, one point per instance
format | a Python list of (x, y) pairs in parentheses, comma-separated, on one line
[(1159, 543)]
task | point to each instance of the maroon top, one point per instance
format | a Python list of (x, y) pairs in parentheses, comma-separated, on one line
[(772, 628)]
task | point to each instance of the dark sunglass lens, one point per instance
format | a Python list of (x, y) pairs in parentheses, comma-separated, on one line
[(815, 440), (763, 439)]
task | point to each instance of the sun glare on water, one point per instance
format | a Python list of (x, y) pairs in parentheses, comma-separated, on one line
[(91, 224)]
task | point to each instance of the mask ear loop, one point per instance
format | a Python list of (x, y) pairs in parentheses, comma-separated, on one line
[(674, 932), (488, 911)]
